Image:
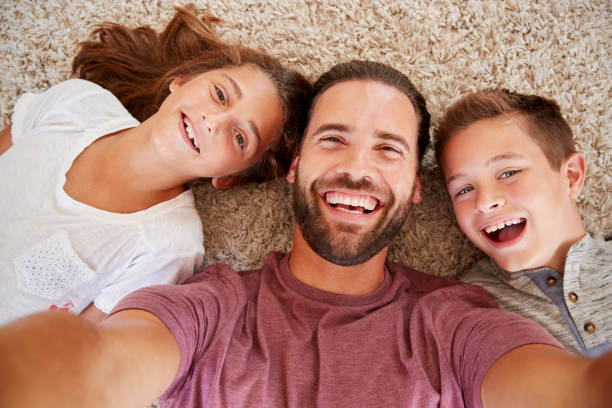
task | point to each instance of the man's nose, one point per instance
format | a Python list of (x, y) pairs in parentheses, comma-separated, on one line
[(356, 163), (489, 199)]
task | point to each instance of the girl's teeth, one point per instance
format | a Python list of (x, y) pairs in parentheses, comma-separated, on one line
[(190, 133)]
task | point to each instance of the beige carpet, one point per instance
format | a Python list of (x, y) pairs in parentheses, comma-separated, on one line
[(558, 48)]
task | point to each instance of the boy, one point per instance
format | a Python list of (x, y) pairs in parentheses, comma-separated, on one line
[(513, 175)]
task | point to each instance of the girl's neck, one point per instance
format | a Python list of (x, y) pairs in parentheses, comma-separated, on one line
[(123, 173)]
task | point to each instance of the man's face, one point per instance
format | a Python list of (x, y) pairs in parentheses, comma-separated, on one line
[(356, 173)]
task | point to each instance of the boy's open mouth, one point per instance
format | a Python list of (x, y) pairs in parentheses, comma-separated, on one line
[(505, 231), (354, 204)]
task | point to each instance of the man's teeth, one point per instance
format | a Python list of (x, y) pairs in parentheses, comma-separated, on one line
[(507, 223), (368, 203), (190, 132)]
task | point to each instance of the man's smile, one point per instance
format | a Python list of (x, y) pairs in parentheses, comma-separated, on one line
[(358, 204)]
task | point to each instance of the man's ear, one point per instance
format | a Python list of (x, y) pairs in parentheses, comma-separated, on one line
[(291, 173), (574, 169), (417, 193), (222, 183), (177, 82)]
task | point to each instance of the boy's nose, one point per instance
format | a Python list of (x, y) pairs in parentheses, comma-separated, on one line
[(487, 201)]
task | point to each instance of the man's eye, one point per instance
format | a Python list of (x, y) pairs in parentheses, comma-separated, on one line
[(239, 139), (390, 149), (332, 139), (508, 173), (220, 95), (465, 190)]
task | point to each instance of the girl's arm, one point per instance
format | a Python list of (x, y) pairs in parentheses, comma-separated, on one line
[(57, 359), (5, 139)]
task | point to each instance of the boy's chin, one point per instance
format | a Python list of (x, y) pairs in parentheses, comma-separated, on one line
[(510, 264)]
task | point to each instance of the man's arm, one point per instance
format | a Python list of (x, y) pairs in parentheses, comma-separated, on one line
[(539, 375), (56, 359), (5, 139), (92, 313)]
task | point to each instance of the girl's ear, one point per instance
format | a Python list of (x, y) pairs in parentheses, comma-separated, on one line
[(177, 82), (291, 173), (225, 182), (575, 171)]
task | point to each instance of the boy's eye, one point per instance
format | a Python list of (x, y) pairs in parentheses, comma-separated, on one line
[(239, 139), (465, 190), (220, 95), (508, 173)]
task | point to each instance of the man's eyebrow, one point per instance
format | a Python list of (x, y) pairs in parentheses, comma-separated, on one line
[(395, 138), (332, 126), (235, 86)]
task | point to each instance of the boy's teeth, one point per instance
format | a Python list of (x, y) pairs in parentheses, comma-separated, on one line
[(494, 228)]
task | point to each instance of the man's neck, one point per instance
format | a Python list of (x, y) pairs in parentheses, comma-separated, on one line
[(311, 269)]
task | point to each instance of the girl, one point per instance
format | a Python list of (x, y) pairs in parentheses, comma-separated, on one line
[(94, 203)]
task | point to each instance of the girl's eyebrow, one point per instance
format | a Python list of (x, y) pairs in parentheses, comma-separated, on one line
[(238, 93), (234, 84)]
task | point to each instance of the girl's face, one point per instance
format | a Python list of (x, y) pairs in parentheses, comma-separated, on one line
[(218, 123)]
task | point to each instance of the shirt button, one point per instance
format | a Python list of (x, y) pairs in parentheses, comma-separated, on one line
[(551, 281), (589, 328), (573, 297)]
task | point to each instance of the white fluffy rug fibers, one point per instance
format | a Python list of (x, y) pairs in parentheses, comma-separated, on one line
[(560, 49)]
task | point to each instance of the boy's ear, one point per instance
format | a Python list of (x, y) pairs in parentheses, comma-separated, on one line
[(177, 82), (225, 182), (291, 173), (574, 169), (417, 194)]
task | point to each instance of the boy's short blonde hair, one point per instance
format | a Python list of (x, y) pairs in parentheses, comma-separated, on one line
[(542, 118)]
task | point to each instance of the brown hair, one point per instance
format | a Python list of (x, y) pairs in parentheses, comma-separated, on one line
[(375, 71), (137, 65), (542, 118)]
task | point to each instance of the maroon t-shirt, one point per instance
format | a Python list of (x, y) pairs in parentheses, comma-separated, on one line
[(262, 338)]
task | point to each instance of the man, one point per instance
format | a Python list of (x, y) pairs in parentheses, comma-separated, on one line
[(330, 324)]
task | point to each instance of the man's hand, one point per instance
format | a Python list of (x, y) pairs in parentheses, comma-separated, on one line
[(539, 375), (57, 359)]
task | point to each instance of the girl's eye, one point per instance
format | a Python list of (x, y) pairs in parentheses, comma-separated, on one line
[(332, 139), (508, 173), (465, 190), (220, 95), (239, 139)]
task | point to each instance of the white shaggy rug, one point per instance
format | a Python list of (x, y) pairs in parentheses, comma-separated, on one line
[(557, 48)]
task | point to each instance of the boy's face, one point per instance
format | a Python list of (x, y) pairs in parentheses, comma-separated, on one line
[(507, 199)]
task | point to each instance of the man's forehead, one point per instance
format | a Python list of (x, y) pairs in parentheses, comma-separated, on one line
[(353, 101)]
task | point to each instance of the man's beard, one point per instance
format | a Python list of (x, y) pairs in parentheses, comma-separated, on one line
[(346, 247)]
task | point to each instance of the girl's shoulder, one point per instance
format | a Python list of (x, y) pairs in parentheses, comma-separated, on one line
[(73, 105)]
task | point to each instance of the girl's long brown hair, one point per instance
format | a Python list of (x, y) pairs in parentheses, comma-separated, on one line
[(138, 64)]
